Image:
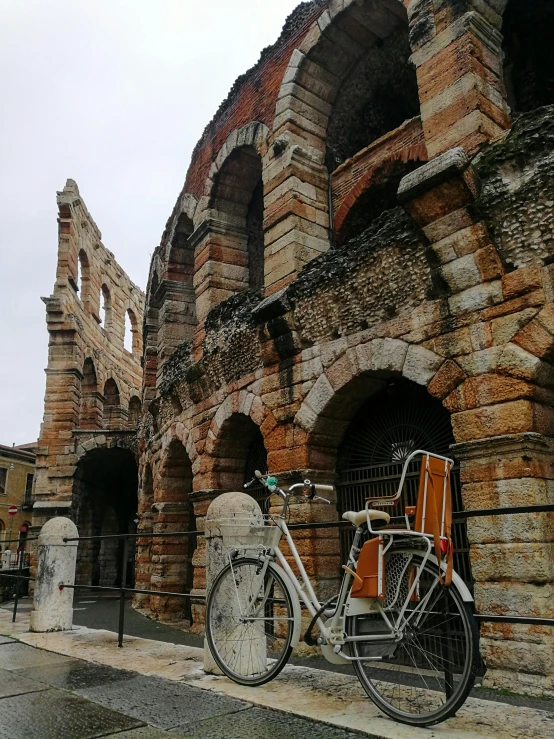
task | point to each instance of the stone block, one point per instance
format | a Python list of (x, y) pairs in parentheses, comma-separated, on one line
[(421, 364), (448, 377), (476, 298)]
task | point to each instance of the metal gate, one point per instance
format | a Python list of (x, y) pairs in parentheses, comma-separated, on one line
[(393, 423)]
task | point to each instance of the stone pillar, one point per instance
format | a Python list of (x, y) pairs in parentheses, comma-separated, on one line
[(228, 505), (458, 59), (6, 556), (440, 196), (52, 606), (512, 555)]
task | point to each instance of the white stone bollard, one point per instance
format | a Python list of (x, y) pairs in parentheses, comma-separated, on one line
[(6, 557), (52, 607), (224, 507)]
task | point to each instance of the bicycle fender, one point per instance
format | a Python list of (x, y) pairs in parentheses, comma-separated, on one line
[(297, 611), (456, 579)]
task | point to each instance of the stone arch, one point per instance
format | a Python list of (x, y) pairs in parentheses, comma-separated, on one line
[(253, 135), (144, 544), (105, 477), (234, 430), (312, 108), (375, 192), (135, 410), (132, 342), (106, 309), (111, 417), (347, 383), (172, 508), (90, 407), (527, 30), (83, 275), (150, 330), (229, 242)]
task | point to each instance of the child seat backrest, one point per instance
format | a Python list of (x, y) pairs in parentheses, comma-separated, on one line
[(434, 509)]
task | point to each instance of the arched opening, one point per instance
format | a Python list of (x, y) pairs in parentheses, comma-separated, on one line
[(106, 308), (237, 196), (398, 419), (2, 535), (378, 195), (111, 418), (135, 408), (180, 265), (131, 337), (172, 568), (90, 410), (83, 275), (378, 92), (104, 502), (528, 31), (239, 452)]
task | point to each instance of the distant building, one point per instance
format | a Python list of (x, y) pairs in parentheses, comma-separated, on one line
[(17, 475)]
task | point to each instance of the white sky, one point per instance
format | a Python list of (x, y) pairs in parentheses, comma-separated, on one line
[(114, 94)]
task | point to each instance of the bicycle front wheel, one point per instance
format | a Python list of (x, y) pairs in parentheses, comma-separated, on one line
[(250, 621), (423, 678)]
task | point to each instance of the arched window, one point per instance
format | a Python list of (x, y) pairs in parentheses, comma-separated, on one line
[(135, 407), (112, 405), (528, 31), (83, 275), (106, 309), (90, 410), (131, 340)]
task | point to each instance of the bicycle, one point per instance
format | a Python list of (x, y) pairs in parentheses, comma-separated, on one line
[(403, 618)]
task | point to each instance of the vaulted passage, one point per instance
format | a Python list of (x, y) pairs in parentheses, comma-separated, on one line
[(399, 419), (105, 502)]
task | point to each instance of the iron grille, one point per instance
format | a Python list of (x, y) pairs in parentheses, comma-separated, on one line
[(393, 423)]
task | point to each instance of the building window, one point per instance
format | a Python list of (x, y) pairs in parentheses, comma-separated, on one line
[(29, 488), (3, 479)]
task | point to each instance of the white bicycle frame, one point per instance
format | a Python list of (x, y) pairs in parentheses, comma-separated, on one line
[(333, 634)]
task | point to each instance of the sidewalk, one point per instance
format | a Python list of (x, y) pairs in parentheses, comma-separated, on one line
[(160, 695)]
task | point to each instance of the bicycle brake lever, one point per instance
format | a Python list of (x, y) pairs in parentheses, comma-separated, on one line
[(318, 497)]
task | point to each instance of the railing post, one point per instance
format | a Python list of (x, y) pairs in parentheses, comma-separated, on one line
[(56, 560), (18, 580), (124, 558)]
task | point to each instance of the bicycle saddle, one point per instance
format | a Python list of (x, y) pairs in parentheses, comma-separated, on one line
[(359, 518)]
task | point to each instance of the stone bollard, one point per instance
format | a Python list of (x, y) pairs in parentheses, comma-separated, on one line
[(6, 557), (226, 506), (52, 607)]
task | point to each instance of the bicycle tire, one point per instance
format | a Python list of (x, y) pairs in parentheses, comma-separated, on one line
[(222, 623), (393, 684)]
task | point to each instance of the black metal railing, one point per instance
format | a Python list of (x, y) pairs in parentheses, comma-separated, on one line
[(123, 589)]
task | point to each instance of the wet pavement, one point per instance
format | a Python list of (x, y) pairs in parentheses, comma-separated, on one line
[(44, 695)]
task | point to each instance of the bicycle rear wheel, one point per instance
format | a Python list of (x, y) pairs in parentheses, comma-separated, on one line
[(250, 622), (426, 676)]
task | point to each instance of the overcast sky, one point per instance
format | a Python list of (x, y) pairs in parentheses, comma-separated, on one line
[(114, 94)]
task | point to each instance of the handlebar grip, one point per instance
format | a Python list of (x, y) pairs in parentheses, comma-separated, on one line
[(324, 488)]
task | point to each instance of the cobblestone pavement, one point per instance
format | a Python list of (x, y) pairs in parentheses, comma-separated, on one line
[(48, 696)]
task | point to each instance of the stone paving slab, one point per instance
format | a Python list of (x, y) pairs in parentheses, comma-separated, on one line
[(73, 675), (14, 656), (12, 684), (149, 732), (257, 723), (5, 640), (334, 698), (54, 714), (162, 703)]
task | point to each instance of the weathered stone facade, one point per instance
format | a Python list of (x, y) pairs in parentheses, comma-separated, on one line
[(368, 166), (86, 459)]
